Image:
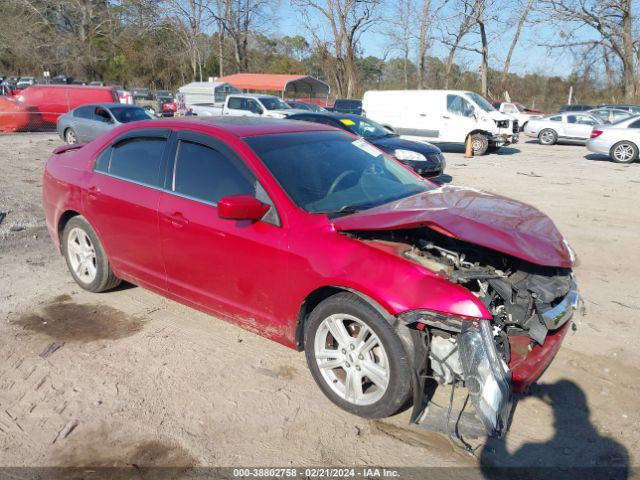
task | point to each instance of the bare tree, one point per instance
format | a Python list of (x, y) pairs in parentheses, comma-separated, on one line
[(516, 37), (347, 20), (611, 20), (191, 18), (456, 29), (400, 34), (423, 40)]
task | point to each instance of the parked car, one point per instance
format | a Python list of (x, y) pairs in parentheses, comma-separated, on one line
[(25, 82), (442, 116), (62, 80), (422, 157), (124, 95), (245, 105), (164, 96), (51, 101), (15, 116), (140, 93), (576, 108), (166, 102), (312, 107), (348, 105), (633, 109), (619, 140), (88, 122), (562, 127), (311, 237), (518, 111), (609, 115), (96, 83)]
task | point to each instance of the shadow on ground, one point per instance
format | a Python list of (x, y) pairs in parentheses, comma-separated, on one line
[(456, 148), (577, 448)]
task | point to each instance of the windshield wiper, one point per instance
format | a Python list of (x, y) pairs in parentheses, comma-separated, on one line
[(347, 210)]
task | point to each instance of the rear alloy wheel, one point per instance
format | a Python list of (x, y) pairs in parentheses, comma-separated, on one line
[(479, 143), (356, 357), (70, 136), (624, 152), (86, 259), (548, 137)]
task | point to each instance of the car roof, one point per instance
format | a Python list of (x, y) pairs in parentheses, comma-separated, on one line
[(237, 126), (108, 105)]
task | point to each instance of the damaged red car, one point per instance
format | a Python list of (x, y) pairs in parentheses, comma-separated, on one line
[(314, 238)]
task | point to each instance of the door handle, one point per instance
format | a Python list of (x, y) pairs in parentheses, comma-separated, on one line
[(176, 219), (92, 193), (445, 117), (423, 114)]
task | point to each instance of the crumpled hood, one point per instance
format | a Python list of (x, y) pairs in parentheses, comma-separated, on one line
[(485, 219)]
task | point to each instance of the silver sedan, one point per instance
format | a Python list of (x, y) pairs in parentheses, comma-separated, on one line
[(620, 140), (573, 127), (87, 122)]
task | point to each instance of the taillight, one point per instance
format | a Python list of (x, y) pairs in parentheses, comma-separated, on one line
[(596, 133)]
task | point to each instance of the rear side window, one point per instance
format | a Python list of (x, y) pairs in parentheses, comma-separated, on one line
[(84, 112), (203, 173), (557, 118), (635, 124), (135, 159)]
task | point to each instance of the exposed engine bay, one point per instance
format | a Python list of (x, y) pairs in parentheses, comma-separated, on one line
[(526, 300)]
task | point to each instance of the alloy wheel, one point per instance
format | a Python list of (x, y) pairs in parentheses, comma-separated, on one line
[(352, 359), (71, 138), (82, 255), (623, 152)]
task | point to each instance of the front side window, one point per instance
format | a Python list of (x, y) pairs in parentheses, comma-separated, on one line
[(459, 106), (136, 159), (101, 115), (251, 106), (129, 114), (235, 103), (205, 174), (481, 102), (342, 175), (585, 120), (635, 124)]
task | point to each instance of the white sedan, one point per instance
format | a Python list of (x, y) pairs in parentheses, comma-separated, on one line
[(574, 127), (620, 140)]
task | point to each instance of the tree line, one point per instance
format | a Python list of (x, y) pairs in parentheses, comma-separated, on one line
[(167, 43)]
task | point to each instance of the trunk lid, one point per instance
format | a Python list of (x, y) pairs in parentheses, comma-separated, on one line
[(481, 218)]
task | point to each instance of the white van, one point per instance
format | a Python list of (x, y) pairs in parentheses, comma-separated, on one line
[(442, 116)]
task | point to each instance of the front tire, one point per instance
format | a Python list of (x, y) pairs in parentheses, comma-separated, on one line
[(86, 258), (624, 152), (547, 137), (356, 357), (479, 143)]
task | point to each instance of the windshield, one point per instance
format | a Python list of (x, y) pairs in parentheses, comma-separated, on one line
[(314, 108), (129, 114), (341, 175), (274, 104), (364, 127), (480, 101)]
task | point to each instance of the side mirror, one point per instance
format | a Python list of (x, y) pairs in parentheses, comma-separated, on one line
[(241, 207)]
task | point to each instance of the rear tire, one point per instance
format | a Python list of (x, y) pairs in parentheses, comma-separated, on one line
[(624, 152), (356, 357), (86, 258), (70, 136), (547, 137), (479, 143)]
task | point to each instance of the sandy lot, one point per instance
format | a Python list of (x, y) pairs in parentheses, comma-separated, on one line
[(130, 377)]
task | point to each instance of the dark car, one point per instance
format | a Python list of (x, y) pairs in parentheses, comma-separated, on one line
[(311, 107), (424, 158), (348, 106), (141, 93), (164, 96), (62, 80), (577, 108)]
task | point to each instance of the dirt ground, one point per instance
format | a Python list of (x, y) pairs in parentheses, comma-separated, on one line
[(130, 377)]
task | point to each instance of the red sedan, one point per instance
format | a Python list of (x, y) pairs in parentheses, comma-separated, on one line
[(314, 238)]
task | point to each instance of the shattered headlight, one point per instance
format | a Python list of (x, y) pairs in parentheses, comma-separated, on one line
[(408, 155), (486, 376)]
